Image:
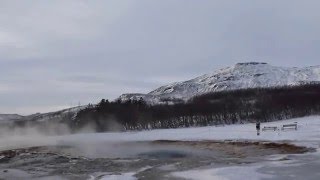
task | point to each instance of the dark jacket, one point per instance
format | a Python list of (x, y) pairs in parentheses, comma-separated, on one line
[(258, 126)]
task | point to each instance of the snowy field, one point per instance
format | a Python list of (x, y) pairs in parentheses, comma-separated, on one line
[(302, 166), (308, 132)]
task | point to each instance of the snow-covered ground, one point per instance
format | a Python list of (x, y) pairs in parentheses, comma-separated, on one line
[(294, 167), (303, 166), (308, 132)]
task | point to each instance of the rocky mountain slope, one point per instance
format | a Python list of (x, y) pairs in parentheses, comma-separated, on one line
[(239, 76)]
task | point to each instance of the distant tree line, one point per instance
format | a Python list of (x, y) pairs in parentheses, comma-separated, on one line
[(226, 107)]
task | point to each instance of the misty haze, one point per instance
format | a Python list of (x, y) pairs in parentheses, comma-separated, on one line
[(162, 89)]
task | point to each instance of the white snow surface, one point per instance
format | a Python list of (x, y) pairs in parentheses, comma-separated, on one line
[(123, 176), (239, 76), (226, 173), (118, 176), (308, 134), (308, 130)]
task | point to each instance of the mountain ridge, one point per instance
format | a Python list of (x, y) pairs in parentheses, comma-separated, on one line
[(239, 76), (8, 117)]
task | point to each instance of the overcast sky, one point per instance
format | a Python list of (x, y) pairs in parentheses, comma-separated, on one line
[(57, 53)]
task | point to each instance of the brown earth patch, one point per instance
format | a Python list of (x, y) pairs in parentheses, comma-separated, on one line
[(241, 148)]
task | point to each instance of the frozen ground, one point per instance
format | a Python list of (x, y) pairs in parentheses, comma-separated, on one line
[(308, 132), (122, 162), (289, 167)]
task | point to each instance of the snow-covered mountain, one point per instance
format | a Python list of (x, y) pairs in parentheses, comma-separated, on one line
[(57, 116), (9, 117), (69, 113), (239, 76)]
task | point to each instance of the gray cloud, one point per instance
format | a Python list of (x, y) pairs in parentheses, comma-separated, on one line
[(56, 53)]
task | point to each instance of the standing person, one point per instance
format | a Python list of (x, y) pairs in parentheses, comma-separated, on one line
[(258, 128)]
